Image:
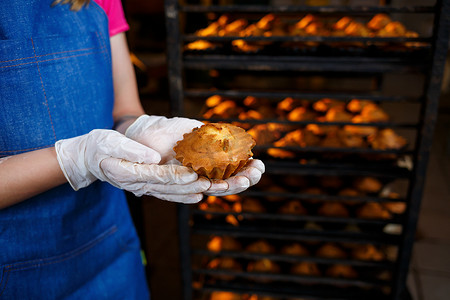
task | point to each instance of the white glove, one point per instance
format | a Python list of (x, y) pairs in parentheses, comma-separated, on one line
[(249, 175), (161, 134), (110, 156)]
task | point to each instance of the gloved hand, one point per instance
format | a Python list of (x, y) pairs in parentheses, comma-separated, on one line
[(110, 156), (249, 175), (161, 134)]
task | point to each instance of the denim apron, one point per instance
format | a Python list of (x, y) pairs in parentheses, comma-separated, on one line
[(56, 83)]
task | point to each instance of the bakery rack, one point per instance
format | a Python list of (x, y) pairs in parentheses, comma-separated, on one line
[(196, 75)]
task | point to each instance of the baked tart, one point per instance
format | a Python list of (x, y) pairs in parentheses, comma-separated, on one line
[(215, 150)]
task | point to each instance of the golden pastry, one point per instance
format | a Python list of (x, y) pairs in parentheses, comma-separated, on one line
[(392, 29), (373, 210), (386, 139), (350, 192), (332, 140), (338, 114), (368, 252), (211, 30), (280, 153), (268, 22), (357, 29), (342, 23), (260, 246), (293, 207), (321, 129), (265, 134), (305, 268), (356, 105), (223, 243), (262, 297), (249, 205), (395, 207), (226, 109), (232, 198), (225, 263), (214, 204), (373, 113), (200, 45), (250, 115), (323, 105), (299, 137), (301, 114), (360, 130), (254, 102), (252, 30), (378, 22), (344, 271), (317, 29), (351, 140), (264, 265), (333, 209), (217, 295), (215, 150), (288, 104), (368, 184), (331, 250), (233, 28), (245, 46), (214, 100), (331, 182), (295, 249), (299, 27)]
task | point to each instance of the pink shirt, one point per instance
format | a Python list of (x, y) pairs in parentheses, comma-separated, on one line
[(114, 11)]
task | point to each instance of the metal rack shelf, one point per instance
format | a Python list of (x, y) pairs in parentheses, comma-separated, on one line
[(298, 234), (306, 9), (384, 264), (300, 95), (302, 64), (310, 293)]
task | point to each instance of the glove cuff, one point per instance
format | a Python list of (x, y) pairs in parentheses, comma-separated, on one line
[(75, 171)]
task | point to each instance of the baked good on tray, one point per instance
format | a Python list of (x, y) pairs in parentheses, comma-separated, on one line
[(266, 134), (293, 207), (250, 205), (343, 271), (356, 105), (225, 263), (263, 265), (215, 150), (223, 243), (306, 268), (295, 249), (260, 246), (368, 252), (387, 139), (219, 295), (368, 184), (226, 109), (373, 210), (331, 250)]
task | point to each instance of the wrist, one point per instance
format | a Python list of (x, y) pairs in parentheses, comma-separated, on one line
[(122, 123)]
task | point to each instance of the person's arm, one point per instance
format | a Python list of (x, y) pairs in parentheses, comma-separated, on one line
[(127, 105), (29, 174)]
